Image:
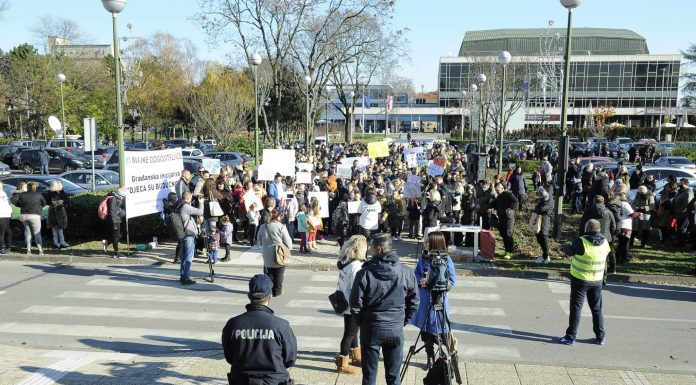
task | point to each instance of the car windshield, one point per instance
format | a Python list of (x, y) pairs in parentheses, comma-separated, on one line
[(679, 161), (245, 157), (112, 177), (65, 154), (67, 185)]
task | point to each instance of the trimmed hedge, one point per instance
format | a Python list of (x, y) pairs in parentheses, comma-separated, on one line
[(83, 222), (529, 165), (688, 152)]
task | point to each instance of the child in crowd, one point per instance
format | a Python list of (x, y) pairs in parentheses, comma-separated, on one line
[(226, 236), (253, 219), (301, 221), (213, 243), (313, 225)]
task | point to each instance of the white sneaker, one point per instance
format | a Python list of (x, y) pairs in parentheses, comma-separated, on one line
[(540, 260), (395, 239)]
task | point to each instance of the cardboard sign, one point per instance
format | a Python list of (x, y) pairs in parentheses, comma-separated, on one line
[(378, 149), (251, 197), (212, 165), (412, 188), (353, 207), (421, 159), (279, 162), (303, 178), (344, 172), (150, 176), (305, 167), (414, 150), (323, 198), (265, 173), (412, 160), (363, 162)]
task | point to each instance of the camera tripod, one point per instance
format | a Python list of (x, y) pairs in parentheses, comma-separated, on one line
[(445, 349)]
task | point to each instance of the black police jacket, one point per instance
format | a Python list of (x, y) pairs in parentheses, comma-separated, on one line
[(259, 343), (384, 294)]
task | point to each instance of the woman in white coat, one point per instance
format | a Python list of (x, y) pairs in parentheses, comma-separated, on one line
[(351, 258)]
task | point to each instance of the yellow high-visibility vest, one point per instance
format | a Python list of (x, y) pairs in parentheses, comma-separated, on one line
[(590, 266)]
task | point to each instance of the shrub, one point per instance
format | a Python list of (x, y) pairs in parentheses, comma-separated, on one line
[(84, 223), (529, 165), (688, 152)]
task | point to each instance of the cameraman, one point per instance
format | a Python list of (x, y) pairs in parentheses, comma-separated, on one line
[(430, 286)]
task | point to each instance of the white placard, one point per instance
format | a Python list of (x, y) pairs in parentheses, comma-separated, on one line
[(323, 198), (265, 173), (303, 178), (422, 159), (411, 160), (344, 171), (279, 162), (353, 207), (90, 134), (412, 188), (250, 197), (305, 167), (211, 165), (363, 162), (150, 176), (415, 150)]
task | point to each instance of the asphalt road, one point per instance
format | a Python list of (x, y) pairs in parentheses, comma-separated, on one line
[(143, 309)]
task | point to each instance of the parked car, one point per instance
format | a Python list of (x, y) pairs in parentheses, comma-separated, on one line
[(229, 158), (528, 144), (665, 148), (140, 146), (71, 143), (210, 142), (23, 143), (191, 152), (174, 143), (7, 152), (103, 179), (193, 164), (59, 161), (45, 182), (679, 162), (39, 143), (5, 170), (659, 185), (660, 173), (584, 161), (15, 157)]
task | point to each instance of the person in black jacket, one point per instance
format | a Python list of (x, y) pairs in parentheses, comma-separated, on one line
[(607, 222), (383, 300), (518, 186), (505, 204), (544, 208), (431, 213), (31, 205), (116, 212), (58, 213), (259, 346)]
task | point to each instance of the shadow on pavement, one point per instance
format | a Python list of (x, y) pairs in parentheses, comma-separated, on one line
[(670, 293)]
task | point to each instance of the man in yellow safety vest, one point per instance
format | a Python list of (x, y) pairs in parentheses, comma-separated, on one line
[(589, 255)]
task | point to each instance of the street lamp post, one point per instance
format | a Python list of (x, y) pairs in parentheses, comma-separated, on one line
[(255, 60), (362, 124), (461, 108), (472, 90), (308, 81), (481, 79), (662, 98), (563, 161), (114, 7), (61, 79), (326, 113), (352, 119), (504, 58)]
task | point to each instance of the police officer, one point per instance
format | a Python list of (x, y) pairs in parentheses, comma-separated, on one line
[(589, 255), (259, 346)]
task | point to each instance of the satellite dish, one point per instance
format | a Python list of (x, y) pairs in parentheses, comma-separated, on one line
[(54, 123)]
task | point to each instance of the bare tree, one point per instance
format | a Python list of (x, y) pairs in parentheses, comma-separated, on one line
[(599, 128), (4, 6), (64, 31)]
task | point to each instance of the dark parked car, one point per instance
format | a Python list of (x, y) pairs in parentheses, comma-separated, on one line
[(104, 179), (229, 158), (15, 157), (7, 152), (59, 161), (45, 182), (174, 143)]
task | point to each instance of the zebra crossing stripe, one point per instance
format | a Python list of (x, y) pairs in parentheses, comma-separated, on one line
[(559, 287), (326, 290), (106, 332), (2, 292), (474, 296), (157, 298), (476, 284), (110, 312), (478, 311), (308, 304), (69, 363), (168, 283)]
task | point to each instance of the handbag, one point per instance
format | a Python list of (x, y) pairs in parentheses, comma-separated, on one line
[(282, 255), (215, 208), (338, 301), (534, 226)]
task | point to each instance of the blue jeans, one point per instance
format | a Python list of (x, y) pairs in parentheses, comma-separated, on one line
[(391, 341), (188, 245), (44, 169)]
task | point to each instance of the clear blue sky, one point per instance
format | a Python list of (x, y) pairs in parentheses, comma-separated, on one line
[(437, 26)]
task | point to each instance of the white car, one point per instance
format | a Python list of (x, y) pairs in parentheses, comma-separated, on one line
[(527, 143), (191, 152), (659, 185)]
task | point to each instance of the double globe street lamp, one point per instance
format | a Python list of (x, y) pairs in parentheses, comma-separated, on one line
[(481, 79), (255, 61), (504, 58), (472, 90), (61, 79), (307, 81)]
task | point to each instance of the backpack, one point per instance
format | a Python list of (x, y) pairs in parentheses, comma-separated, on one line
[(437, 375), (103, 209), (175, 225)]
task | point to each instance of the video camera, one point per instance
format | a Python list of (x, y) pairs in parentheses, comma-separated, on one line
[(437, 277)]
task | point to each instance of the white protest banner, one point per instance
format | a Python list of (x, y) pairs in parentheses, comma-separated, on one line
[(323, 198), (211, 165), (279, 161), (413, 179), (303, 178), (251, 197), (437, 167), (412, 160), (353, 207), (414, 150), (149, 177), (265, 173), (344, 172), (412, 188), (363, 162), (305, 167), (422, 159)]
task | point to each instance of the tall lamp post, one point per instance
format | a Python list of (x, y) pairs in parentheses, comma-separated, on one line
[(326, 113), (461, 108), (307, 81), (61, 79), (472, 90), (352, 119), (255, 60), (662, 98), (504, 58), (563, 161), (481, 79), (114, 7)]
